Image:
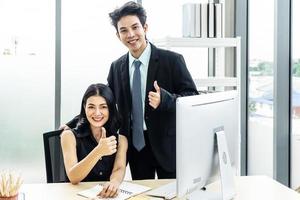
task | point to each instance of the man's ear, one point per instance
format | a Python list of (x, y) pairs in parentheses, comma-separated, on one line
[(117, 34), (146, 27)]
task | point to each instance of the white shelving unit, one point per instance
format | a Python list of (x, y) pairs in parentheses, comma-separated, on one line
[(169, 42), (218, 43), (198, 42)]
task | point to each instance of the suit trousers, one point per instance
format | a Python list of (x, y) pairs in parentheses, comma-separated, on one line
[(143, 164)]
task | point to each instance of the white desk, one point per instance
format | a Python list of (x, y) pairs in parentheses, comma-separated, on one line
[(262, 188), (247, 187)]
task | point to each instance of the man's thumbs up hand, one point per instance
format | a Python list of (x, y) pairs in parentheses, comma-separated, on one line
[(154, 97)]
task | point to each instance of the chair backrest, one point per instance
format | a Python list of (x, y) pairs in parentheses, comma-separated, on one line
[(55, 168)]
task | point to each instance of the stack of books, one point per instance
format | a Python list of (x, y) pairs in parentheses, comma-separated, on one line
[(202, 20)]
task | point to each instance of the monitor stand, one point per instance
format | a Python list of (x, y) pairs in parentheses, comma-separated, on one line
[(226, 173)]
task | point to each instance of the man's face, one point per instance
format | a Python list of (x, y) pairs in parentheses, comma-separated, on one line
[(132, 34)]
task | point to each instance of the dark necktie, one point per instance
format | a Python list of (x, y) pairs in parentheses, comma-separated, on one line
[(137, 109)]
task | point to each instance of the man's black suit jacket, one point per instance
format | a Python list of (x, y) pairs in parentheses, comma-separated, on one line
[(170, 71)]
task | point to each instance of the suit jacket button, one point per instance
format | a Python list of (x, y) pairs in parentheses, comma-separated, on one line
[(100, 173)]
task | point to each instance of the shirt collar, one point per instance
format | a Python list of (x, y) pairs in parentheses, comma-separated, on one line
[(144, 57)]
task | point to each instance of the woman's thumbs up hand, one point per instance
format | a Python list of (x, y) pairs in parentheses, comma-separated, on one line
[(107, 146)]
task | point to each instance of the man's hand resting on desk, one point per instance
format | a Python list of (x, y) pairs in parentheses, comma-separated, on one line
[(110, 189)]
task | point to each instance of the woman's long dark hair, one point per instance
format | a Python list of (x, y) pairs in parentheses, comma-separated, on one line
[(99, 89)]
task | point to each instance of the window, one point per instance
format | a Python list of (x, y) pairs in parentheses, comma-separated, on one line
[(260, 81), (26, 84), (296, 70), (89, 46), (295, 110)]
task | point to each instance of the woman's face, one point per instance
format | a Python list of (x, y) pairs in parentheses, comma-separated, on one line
[(96, 111)]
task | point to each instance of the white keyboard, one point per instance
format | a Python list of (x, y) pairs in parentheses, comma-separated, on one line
[(167, 191)]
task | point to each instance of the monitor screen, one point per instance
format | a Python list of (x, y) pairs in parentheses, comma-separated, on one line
[(197, 119)]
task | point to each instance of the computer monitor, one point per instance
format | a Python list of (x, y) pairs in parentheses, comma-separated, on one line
[(198, 119)]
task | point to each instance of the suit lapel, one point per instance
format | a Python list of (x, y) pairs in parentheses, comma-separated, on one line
[(152, 70), (125, 80)]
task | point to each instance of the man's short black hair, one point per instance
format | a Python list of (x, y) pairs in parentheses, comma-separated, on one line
[(129, 8)]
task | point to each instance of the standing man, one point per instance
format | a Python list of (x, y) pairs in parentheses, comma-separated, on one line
[(146, 82)]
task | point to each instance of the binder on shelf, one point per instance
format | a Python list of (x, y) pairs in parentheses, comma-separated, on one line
[(197, 20), (211, 20), (204, 20), (188, 20), (218, 20)]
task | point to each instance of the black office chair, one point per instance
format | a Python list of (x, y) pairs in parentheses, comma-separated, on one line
[(55, 168)]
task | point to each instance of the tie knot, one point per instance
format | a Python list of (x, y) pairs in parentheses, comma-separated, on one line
[(137, 64)]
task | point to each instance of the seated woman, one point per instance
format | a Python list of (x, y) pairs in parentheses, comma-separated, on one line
[(93, 150)]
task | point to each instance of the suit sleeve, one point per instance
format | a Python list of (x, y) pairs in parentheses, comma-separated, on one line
[(183, 85), (112, 82), (110, 79)]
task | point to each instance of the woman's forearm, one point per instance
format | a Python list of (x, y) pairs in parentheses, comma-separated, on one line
[(80, 170), (118, 175), (119, 169)]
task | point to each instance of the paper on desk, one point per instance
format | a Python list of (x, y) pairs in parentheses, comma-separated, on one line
[(127, 190)]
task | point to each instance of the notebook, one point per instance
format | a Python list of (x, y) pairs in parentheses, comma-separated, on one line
[(127, 190)]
